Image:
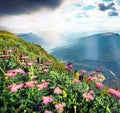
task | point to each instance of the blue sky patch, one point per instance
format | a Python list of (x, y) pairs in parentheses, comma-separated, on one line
[(89, 7), (107, 0)]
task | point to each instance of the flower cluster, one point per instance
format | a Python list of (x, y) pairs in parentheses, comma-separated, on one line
[(30, 84), (46, 99), (99, 85), (12, 73), (57, 90), (43, 85), (114, 92), (15, 87), (60, 107), (88, 96)]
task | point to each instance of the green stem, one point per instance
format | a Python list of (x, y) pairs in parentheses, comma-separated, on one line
[(2, 70)]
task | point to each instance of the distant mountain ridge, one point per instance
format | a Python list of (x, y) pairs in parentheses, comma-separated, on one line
[(30, 37), (95, 51)]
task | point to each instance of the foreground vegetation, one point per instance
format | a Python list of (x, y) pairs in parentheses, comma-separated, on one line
[(35, 85)]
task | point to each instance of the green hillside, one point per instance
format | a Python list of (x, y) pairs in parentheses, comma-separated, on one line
[(11, 41), (28, 85)]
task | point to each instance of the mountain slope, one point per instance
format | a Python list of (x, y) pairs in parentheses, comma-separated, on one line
[(9, 40)]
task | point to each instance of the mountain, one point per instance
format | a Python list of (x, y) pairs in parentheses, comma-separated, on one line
[(95, 51), (30, 37), (10, 41)]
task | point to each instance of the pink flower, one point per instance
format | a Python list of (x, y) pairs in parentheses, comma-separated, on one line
[(114, 92), (98, 70), (100, 76), (88, 96), (5, 56), (43, 85), (30, 84), (46, 111), (19, 71), (99, 85), (92, 78), (91, 92), (69, 67), (35, 76), (83, 72), (19, 86), (23, 57), (49, 61), (60, 107), (29, 64), (75, 81), (57, 90), (15, 87), (11, 74), (46, 99), (46, 70), (10, 51), (92, 74)]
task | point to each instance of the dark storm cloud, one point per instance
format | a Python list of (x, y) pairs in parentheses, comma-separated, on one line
[(11, 7), (113, 13), (103, 7)]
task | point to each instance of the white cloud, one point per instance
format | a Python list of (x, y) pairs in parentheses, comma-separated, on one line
[(63, 20)]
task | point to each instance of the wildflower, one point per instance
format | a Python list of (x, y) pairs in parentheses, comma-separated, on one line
[(91, 92), (57, 90), (114, 92), (75, 81), (29, 64), (100, 78), (30, 84), (19, 71), (11, 74), (83, 72), (43, 85), (98, 70), (38, 107), (77, 74), (10, 51), (99, 85), (19, 86), (64, 93), (35, 76), (81, 77), (23, 57), (46, 70), (15, 87), (69, 66), (46, 111), (88, 96), (60, 107), (92, 78), (5, 56), (46, 99), (92, 74)]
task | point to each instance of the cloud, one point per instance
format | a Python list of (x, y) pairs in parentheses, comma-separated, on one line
[(113, 13), (104, 7), (14, 7)]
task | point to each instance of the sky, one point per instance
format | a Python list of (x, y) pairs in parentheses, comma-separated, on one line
[(53, 18)]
